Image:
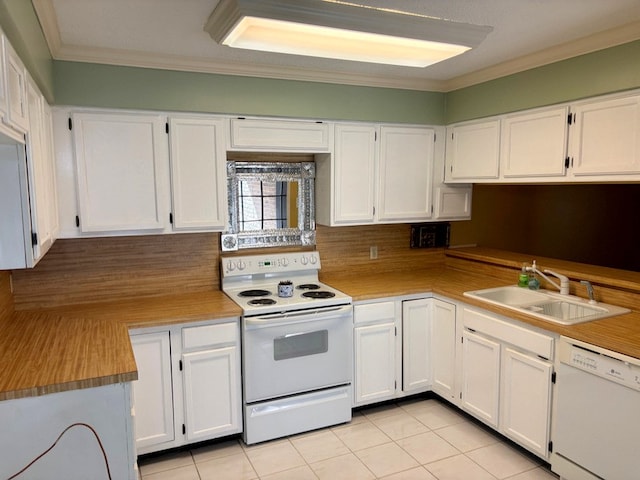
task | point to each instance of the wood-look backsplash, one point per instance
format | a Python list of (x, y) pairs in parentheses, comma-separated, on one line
[(97, 269)]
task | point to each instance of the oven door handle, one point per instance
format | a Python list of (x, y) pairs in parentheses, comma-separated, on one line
[(299, 316)]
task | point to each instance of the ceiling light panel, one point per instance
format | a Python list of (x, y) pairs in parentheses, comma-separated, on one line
[(340, 31)]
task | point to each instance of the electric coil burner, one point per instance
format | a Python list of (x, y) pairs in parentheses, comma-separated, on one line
[(254, 293), (297, 349)]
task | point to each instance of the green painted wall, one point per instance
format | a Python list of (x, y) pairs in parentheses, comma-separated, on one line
[(20, 24), (85, 84), (610, 70)]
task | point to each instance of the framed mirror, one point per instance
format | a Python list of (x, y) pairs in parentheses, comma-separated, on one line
[(271, 204)]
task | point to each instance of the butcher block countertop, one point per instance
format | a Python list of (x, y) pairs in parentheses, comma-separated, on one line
[(82, 346)]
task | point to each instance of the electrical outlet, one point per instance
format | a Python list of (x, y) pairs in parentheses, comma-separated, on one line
[(373, 252)]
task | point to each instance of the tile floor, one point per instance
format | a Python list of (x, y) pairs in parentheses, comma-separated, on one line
[(416, 439)]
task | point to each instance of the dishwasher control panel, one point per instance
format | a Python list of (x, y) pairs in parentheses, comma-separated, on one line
[(601, 362)]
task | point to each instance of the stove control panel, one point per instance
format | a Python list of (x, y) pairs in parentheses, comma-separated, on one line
[(267, 263)]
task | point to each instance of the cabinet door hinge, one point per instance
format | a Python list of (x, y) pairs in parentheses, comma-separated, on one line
[(553, 377), (166, 127), (395, 331), (567, 161), (570, 118), (550, 446), (34, 239), (180, 365), (395, 385), (375, 136), (184, 429), (70, 124), (77, 221), (171, 218)]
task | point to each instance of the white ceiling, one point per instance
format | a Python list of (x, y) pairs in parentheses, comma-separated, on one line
[(168, 34)]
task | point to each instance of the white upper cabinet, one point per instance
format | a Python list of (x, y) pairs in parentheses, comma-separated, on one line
[(473, 152), (121, 163), (534, 144), (198, 173), (377, 174), (352, 179), (3, 82), (596, 140), (280, 135), (16, 89), (605, 138), (405, 173), (41, 173)]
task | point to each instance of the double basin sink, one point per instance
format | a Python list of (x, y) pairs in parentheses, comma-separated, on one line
[(547, 305)]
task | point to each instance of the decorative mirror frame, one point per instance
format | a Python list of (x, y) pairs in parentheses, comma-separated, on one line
[(303, 173)]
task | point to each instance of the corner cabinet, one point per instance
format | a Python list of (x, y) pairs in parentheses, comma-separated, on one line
[(392, 340), (121, 171), (188, 386), (377, 174)]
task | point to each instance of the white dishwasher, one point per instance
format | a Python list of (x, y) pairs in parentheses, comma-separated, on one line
[(597, 425)]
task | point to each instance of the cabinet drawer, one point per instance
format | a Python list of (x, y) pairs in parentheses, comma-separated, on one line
[(280, 135), (516, 335), (209, 335), (374, 312)]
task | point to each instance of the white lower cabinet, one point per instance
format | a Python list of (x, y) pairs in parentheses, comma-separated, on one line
[(444, 342), (507, 373), (152, 392), (188, 386), (525, 402), (480, 377), (392, 349), (375, 352), (416, 340)]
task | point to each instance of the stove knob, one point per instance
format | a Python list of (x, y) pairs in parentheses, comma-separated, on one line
[(304, 260), (284, 262), (230, 266), (314, 259), (241, 265)]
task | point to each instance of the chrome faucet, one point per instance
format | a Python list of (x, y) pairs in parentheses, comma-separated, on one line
[(564, 281), (587, 284)]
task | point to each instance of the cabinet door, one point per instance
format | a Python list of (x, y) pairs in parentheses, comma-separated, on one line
[(152, 392), (279, 135), (198, 173), (473, 151), (16, 78), (480, 377), (375, 363), (121, 162), (443, 348), (605, 138), (453, 202), (534, 144), (525, 404), (212, 393), (416, 343), (3, 83), (405, 174), (354, 173), (40, 168)]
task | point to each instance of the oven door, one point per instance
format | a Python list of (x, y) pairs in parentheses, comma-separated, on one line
[(293, 352)]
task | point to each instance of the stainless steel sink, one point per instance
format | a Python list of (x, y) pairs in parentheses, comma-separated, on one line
[(547, 305)]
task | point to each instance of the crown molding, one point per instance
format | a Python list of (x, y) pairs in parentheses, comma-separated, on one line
[(202, 65), (48, 21), (599, 41)]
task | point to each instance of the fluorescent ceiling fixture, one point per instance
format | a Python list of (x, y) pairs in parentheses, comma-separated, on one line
[(341, 31)]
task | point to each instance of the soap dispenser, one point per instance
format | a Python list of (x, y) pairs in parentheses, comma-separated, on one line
[(534, 283), (523, 279)]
